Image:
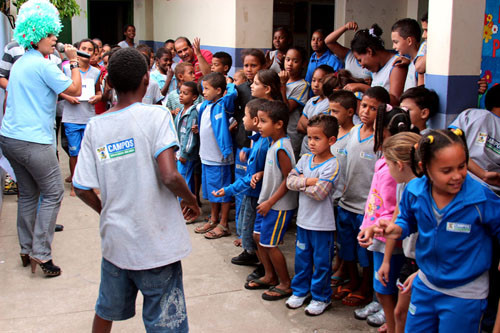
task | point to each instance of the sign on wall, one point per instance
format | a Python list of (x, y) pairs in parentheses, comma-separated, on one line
[(490, 65)]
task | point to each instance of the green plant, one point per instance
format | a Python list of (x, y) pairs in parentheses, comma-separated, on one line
[(66, 8)]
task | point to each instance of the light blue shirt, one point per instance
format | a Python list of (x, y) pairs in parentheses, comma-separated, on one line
[(33, 87)]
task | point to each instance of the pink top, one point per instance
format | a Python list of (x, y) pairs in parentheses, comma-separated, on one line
[(381, 201), (208, 57)]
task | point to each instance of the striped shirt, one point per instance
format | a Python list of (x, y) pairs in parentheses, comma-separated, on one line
[(12, 52)]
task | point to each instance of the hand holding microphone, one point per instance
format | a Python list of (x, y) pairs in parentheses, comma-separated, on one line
[(73, 52)]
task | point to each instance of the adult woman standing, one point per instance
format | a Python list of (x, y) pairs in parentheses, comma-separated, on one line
[(27, 133)]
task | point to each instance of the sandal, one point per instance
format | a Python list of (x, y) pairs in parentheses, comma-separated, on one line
[(206, 227), (282, 294), (212, 234), (341, 292), (337, 281), (355, 300)]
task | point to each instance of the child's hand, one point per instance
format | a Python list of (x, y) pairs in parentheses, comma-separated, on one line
[(408, 283), (182, 160), (383, 273), (94, 99), (170, 73), (483, 85), (284, 76), (243, 157), (387, 229), (175, 111), (194, 128), (269, 60), (257, 177), (402, 61), (196, 46), (233, 126), (264, 208), (219, 193), (365, 237), (492, 178), (311, 181), (353, 87), (73, 100), (351, 26)]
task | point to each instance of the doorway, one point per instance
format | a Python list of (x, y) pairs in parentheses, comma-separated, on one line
[(106, 19)]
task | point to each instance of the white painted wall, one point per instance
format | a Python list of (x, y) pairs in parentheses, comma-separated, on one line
[(79, 25), (254, 23)]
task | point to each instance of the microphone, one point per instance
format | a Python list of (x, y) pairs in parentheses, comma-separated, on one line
[(60, 48)]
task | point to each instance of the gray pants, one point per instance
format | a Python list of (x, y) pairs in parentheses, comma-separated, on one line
[(38, 175)]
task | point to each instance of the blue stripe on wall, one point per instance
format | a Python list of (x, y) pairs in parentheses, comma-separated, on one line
[(235, 53), (456, 93)]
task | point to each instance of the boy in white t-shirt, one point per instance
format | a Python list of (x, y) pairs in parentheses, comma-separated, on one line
[(314, 178), (136, 141)]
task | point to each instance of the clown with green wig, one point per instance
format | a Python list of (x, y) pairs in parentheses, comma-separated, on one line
[(27, 132)]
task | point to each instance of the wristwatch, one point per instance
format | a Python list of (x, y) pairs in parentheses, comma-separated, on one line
[(73, 65)]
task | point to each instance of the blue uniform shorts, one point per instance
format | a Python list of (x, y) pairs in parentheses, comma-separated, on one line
[(273, 226), (164, 307), (397, 261), (213, 178), (74, 133), (348, 224)]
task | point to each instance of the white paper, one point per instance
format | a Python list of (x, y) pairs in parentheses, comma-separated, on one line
[(88, 90)]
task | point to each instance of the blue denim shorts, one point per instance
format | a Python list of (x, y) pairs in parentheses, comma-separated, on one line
[(164, 308)]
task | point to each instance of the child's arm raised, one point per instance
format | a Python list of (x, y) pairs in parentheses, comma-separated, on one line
[(331, 40), (286, 167)]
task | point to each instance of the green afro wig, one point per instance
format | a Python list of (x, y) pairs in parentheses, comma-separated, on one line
[(36, 20)]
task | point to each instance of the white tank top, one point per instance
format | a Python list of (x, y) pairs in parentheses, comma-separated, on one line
[(352, 65), (382, 77)]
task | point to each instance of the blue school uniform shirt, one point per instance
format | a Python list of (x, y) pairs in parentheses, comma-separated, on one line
[(34, 84), (458, 249), (256, 163), (328, 58)]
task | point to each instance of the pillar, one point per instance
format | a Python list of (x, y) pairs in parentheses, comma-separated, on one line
[(454, 55)]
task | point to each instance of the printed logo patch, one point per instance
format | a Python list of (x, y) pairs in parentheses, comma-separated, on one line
[(493, 145), (458, 227), (301, 246), (218, 116), (367, 156), (481, 138), (116, 149), (412, 309), (341, 151)]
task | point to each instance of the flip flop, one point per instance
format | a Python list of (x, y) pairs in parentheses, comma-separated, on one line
[(355, 300), (282, 294), (259, 284), (338, 281), (341, 292), (212, 235)]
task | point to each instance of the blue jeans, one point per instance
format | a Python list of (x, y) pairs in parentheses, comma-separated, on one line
[(164, 308), (38, 175), (247, 214)]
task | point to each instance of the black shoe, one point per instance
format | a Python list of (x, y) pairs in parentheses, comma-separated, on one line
[(59, 227), (245, 259), (257, 273)]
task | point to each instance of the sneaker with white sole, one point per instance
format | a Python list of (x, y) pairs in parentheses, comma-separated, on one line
[(295, 302), (315, 308), (376, 319), (368, 310)]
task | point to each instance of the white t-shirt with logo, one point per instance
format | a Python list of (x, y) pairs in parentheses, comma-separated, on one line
[(141, 222)]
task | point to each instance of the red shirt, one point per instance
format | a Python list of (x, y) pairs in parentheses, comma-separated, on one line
[(208, 57)]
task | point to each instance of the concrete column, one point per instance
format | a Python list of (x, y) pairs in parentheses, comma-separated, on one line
[(454, 55)]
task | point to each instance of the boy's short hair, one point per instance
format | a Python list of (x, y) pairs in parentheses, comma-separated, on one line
[(325, 68), (424, 98), (216, 80), (225, 58), (345, 98), (147, 58), (379, 93), (86, 40), (162, 51), (408, 27), (181, 68), (276, 111), (125, 27), (144, 48), (257, 53), (254, 106), (193, 86), (169, 41), (329, 124), (492, 99), (126, 68)]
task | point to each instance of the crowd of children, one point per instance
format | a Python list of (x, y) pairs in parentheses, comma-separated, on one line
[(339, 144)]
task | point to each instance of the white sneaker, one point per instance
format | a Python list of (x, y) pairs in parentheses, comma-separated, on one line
[(295, 302), (315, 308)]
